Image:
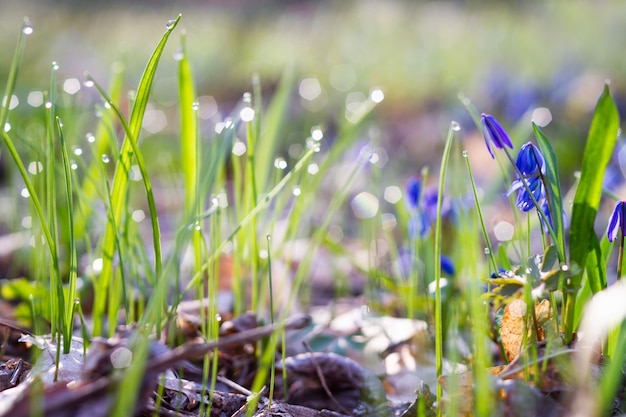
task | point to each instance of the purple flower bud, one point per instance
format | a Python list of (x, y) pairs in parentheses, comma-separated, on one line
[(616, 221), (494, 134)]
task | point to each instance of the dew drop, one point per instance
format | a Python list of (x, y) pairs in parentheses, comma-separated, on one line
[(105, 158), (268, 237), (55, 66), (377, 95), (7, 126), (247, 97), (77, 301), (179, 54), (239, 148), (88, 84), (564, 268), (296, 191), (313, 168), (247, 114), (280, 163), (170, 23), (48, 105), (27, 28), (78, 151), (24, 193), (455, 126), (73, 166), (465, 154), (90, 137), (317, 134), (195, 106), (487, 251), (59, 122)]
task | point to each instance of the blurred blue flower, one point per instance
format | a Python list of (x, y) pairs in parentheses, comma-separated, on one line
[(494, 134), (447, 266), (616, 221), (423, 208), (413, 192)]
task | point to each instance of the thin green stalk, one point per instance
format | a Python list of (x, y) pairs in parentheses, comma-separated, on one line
[(71, 293), (437, 262), (273, 337), (481, 219)]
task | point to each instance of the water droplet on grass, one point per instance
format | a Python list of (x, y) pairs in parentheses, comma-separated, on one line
[(239, 148), (78, 151), (73, 166), (195, 106), (296, 191), (7, 127), (280, 163), (465, 154), (105, 158), (25, 193), (88, 84), (317, 133), (27, 28), (247, 97), (170, 23), (55, 66), (487, 251), (90, 137), (313, 168), (455, 126), (247, 114), (377, 95)]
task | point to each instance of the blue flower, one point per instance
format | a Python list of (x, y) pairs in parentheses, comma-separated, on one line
[(422, 204), (413, 192), (616, 221), (530, 160), (494, 134), (524, 202)]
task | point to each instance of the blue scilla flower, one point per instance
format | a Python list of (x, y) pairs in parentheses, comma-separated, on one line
[(616, 221), (494, 134), (524, 202), (530, 161)]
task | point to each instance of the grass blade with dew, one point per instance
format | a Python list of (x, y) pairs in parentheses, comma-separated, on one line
[(101, 143), (305, 264), (120, 183), (273, 122), (71, 292), (4, 113), (437, 261), (601, 141)]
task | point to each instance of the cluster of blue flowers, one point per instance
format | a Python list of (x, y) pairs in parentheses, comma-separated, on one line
[(531, 168)]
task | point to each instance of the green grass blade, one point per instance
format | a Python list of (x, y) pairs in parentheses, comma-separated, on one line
[(71, 294), (554, 189), (14, 69), (437, 261), (273, 123), (120, 180), (598, 151), (188, 129)]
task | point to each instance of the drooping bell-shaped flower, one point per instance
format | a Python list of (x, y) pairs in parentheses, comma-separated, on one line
[(616, 221), (530, 161), (494, 134), (413, 192), (524, 201)]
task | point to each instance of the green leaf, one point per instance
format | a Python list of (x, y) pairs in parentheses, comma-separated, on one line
[(188, 129), (554, 190), (598, 150), (120, 179)]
